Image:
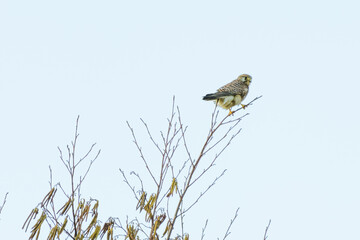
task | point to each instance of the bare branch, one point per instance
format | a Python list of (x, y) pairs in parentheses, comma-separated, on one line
[(192, 169), (170, 141)]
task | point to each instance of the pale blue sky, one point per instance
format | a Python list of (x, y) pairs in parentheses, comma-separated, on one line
[(297, 159)]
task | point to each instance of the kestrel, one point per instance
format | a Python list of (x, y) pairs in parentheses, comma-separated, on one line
[(231, 94)]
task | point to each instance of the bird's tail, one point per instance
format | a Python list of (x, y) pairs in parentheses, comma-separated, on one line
[(214, 96)]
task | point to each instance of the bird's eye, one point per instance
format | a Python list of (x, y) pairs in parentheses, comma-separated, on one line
[(245, 78)]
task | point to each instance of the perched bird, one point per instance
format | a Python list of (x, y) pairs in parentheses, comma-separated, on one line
[(232, 93)]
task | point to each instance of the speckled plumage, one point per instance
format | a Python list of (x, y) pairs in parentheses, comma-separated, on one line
[(232, 93)]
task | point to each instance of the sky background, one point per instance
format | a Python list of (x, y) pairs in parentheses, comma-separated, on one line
[(296, 161)]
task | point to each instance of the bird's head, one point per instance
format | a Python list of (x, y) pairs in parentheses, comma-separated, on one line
[(245, 78)]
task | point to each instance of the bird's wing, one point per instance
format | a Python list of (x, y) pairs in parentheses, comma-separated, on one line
[(235, 87), (217, 95), (229, 87)]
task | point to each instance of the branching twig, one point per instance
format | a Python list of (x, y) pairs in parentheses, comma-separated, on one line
[(150, 136), (87, 170), (214, 126), (202, 193), (141, 154), (128, 183)]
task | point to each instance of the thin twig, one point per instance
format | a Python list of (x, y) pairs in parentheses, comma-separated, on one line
[(266, 230), (183, 136), (50, 182), (2, 206), (182, 220), (150, 136), (231, 223), (63, 161), (85, 156), (203, 230)]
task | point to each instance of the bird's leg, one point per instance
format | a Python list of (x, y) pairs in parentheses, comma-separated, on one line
[(230, 112), (244, 106)]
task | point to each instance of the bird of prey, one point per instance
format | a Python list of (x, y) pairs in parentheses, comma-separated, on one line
[(231, 94)]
